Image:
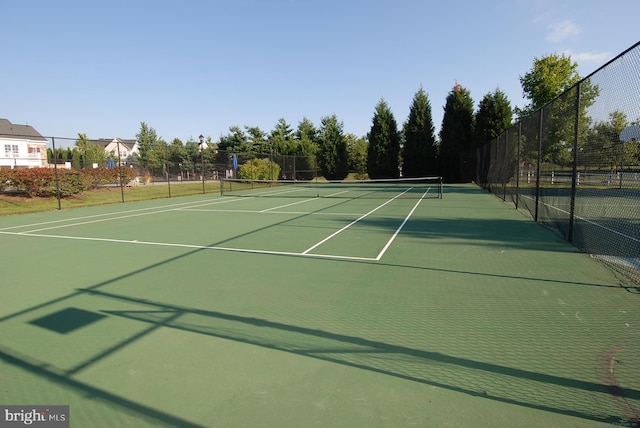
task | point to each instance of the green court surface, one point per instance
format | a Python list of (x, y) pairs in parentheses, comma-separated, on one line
[(222, 311)]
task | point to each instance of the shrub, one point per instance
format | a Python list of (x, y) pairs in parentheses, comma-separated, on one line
[(259, 169), (34, 181), (72, 182), (41, 182), (6, 179)]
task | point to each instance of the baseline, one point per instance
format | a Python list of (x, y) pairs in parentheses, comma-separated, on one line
[(190, 246)]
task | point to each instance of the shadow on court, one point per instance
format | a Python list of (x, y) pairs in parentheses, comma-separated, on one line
[(562, 395)]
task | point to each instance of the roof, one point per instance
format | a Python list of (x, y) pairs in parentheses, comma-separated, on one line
[(8, 129), (104, 142)]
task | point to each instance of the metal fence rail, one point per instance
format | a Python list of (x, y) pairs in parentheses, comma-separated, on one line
[(574, 165)]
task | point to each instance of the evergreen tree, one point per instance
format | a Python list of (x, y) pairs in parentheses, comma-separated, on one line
[(235, 141), (90, 153), (257, 139), (280, 138), (384, 144), (306, 148), (493, 117), (150, 149), (81, 146), (419, 151), (332, 154), (357, 150), (457, 157), (306, 131), (178, 158)]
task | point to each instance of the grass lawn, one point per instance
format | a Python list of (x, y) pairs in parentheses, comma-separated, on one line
[(19, 204)]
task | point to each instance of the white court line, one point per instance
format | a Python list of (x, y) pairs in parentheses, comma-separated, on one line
[(192, 246), (386, 247), (192, 206), (119, 217), (108, 214), (274, 192), (288, 205), (303, 201), (353, 222), (277, 212), (593, 223)]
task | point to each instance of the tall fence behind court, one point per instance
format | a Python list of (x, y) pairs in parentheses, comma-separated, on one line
[(574, 165)]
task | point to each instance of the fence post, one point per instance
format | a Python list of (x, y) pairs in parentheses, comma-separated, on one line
[(55, 172), (518, 161), (166, 165), (120, 170), (505, 162), (574, 175), (540, 128)]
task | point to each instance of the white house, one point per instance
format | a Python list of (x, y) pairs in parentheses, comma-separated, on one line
[(125, 148), (21, 146)]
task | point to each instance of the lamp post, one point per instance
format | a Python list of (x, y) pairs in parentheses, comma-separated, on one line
[(201, 147)]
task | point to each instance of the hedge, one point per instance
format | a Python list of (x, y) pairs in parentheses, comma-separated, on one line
[(41, 182)]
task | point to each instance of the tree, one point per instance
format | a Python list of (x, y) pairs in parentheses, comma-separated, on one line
[(193, 156), (550, 76), (419, 150), (384, 144), (257, 139), (281, 138), (306, 148), (306, 131), (603, 148), (493, 117), (80, 160), (357, 155), (235, 141), (150, 155), (88, 153), (554, 78), (179, 157), (332, 155), (457, 155)]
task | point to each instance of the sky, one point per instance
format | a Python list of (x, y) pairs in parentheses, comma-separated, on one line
[(191, 67)]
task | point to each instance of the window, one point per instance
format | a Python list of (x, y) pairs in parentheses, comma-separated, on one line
[(34, 152), (11, 150)]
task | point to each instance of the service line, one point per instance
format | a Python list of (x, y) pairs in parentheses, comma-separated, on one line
[(353, 222)]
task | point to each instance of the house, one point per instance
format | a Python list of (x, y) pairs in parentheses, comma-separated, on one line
[(21, 146), (126, 148)]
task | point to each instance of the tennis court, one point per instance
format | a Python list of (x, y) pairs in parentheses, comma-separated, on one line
[(364, 309)]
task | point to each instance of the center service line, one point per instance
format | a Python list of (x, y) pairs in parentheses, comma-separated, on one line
[(386, 247), (354, 222)]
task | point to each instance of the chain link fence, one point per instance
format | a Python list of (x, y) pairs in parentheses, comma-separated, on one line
[(66, 167), (574, 165)]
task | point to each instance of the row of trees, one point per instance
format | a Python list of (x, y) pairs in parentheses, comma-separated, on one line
[(387, 151), (83, 155)]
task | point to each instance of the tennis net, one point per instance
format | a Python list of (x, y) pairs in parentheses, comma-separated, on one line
[(405, 188)]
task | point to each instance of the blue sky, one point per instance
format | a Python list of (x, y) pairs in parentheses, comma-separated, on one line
[(200, 66)]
